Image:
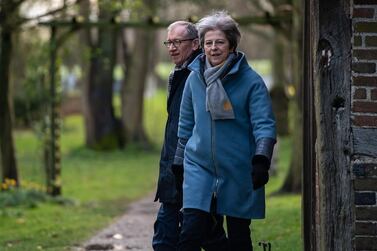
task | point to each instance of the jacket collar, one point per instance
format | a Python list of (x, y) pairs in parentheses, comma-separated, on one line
[(188, 61)]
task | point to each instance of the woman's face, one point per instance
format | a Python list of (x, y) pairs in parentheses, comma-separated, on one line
[(216, 47)]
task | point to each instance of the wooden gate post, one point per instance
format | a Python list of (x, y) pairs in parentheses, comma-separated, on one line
[(330, 59), (53, 163), (309, 202)]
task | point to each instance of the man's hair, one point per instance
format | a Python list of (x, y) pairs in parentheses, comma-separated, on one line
[(219, 21), (191, 30)]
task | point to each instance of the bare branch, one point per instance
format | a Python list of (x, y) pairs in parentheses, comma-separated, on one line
[(50, 13)]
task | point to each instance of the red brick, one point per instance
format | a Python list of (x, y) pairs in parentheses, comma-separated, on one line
[(368, 27), (364, 81), (360, 106), (363, 12), (366, 242), (365, 54), (364, 67), (364, 1), (365, 170), (370, 41), (365, 121), (365, 198), (366, 213), (373, 94), (360, 93), (366, 228), (357, 41), (368, 184)]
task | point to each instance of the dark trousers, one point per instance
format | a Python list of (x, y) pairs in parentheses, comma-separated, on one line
[(197, 225), (167, 228)]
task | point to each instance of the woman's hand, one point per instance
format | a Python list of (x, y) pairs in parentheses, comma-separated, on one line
[(259, 175)]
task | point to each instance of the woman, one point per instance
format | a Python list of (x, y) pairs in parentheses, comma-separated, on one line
[(227, 133)]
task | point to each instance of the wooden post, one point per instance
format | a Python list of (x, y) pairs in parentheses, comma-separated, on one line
[(331, 59), (53, 181), (309, 202)]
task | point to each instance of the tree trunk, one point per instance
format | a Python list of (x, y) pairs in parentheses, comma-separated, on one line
[(85, 35), (102, 128), (293, 180), (8, 160), (278, 95), (139, 62), (137, 66)]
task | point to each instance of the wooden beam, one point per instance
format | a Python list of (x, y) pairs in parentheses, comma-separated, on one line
[(331, 52), (309, 202), (155, 22)]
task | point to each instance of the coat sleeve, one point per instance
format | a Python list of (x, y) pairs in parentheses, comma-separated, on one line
[(185, 124), (262, 118), (186, 116)]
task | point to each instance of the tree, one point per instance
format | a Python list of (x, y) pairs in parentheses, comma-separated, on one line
[(8, 12), (293, 180), (288, 39), (102, 128), (10, 21), (137, 58)]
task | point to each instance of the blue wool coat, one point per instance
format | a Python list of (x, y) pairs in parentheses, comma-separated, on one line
[(218, 153)]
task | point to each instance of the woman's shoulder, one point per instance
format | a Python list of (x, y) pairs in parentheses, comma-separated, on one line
[(248, 74)]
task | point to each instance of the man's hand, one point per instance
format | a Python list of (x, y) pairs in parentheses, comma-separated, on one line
[(178, 173), (260, 171)]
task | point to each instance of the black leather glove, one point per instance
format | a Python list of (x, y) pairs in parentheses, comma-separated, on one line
[(178, 174), (259, 175)]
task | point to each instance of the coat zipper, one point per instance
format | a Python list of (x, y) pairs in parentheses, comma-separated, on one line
[(213, 144)]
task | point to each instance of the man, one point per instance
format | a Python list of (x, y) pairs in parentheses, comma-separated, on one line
[(183, 46)]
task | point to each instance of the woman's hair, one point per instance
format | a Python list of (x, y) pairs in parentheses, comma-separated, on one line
[(190, 28), (219, 21)]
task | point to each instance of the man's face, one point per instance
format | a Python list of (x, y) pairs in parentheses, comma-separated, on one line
[(181, 52)]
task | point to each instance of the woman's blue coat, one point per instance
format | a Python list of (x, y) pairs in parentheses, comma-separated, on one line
[(217, 157)]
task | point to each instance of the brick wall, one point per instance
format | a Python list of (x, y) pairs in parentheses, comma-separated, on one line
[(364, 122)]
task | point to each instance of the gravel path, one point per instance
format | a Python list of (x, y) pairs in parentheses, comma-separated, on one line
[(132, 231)]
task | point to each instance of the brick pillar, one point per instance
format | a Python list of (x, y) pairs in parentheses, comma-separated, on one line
[(364, 122)]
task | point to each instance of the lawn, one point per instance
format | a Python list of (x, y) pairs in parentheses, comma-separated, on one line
[(282, 225), (98, 186)]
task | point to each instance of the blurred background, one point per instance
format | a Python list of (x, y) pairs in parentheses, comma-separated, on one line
[(83, 89)]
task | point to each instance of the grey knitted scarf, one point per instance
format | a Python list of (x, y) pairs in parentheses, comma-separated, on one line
[(217, 101)]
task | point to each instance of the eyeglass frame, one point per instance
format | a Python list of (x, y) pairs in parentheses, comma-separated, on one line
[(216, 43), (177, 42)]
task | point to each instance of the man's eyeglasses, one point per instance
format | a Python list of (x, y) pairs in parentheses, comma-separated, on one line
[(176, 42)]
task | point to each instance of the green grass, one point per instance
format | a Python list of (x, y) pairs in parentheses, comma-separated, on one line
[(262, 66), (155, 117), (97, 186), (282, 225)]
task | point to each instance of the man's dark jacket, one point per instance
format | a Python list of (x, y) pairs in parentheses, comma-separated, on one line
[(166, 188)]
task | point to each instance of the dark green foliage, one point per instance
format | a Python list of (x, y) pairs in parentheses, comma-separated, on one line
[(29, 198), (31, 97), (21, 197)]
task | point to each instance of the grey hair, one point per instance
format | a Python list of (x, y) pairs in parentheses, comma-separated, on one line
[(219, 21), (191, 30)]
